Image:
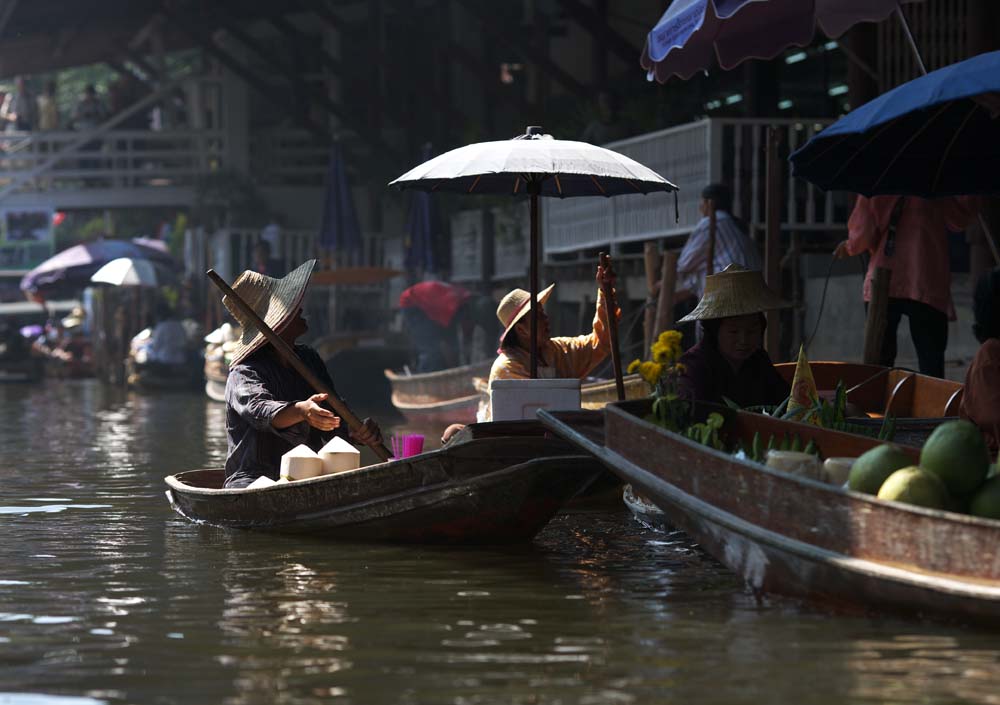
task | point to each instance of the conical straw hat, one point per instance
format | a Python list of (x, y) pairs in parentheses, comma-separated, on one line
[(516, 304), (276, 301), (734, 291)]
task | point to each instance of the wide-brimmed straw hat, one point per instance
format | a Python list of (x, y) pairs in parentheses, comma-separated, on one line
[(734, 291), (276, 301), (516, 304), (75, 318)]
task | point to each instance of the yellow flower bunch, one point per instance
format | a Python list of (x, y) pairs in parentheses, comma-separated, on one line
[(666, 350)]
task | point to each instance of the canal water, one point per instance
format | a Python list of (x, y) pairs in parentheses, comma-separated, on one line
[(107, 596)]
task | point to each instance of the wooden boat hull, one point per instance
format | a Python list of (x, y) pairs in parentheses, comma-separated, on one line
[(441, 413), (485, 490), (790, 535), (436, 398)]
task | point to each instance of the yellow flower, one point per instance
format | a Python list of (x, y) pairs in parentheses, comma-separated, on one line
[(633, 366), (678, 369), (667, 347), (650, 371)]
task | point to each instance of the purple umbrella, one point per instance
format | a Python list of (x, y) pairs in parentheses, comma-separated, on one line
[(340, 230), (692, 34), (70, 270)]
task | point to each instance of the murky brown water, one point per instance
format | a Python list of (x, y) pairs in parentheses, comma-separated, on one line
[(107, 596)]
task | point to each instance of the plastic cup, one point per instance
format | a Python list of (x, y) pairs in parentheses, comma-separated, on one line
[(413, 444)]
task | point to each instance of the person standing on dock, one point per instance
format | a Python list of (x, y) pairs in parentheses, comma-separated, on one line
[(909, 236), (270, 408)]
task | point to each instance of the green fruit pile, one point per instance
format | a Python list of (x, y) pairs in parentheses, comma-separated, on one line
[(953, 473)]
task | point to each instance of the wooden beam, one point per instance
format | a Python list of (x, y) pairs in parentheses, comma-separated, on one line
[(617, 44), (488, 19)]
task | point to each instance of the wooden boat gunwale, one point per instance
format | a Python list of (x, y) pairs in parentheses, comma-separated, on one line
[(800, 561), (468, 492)]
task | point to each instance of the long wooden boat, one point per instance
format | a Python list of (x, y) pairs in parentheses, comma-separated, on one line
[(919, 402), (497, 483), (216, 374), (787, 534)]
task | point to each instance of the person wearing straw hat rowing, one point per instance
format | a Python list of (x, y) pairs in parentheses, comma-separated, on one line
[(730, 360), (270, 408)]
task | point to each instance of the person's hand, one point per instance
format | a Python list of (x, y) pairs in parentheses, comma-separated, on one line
[(451, 431), (606, 276), (317, 416), (368, 435), (840, 251)]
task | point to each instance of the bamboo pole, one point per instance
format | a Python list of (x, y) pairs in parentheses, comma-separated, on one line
[(611, 308), (665, 302), (772, 241), (878, 309), (651, 260)]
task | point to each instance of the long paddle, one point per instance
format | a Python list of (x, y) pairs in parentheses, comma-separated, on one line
[(286, 352), (610, 307)]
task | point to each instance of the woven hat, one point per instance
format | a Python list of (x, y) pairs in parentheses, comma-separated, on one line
[(516, 304), (276, 301), (734, 291), (75, 319)]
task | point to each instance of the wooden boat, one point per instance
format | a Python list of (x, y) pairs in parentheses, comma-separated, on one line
[(593, 395), (787, 534), (496, 483), (919, 402), (438, 398)]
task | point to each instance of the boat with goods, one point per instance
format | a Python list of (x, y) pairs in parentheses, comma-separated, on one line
[(919, 403), (494, 483), (789, 534)]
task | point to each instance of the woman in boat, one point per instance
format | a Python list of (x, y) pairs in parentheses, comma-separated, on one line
[(270, 408), (730, 362), (572, 356), (981, 397)]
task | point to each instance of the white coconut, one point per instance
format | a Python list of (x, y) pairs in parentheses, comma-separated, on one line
[(301, 462), (339, 456)]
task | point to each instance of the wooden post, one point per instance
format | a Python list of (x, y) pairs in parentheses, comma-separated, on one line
[(610, 310), (668, 282), (710, 265), (772, 240), (651, 260), (877, 315)]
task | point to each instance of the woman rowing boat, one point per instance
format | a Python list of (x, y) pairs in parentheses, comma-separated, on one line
[(270, 408)]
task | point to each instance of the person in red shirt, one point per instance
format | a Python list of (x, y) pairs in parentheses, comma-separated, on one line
[(909, 236), (436, 313), (981, 397)]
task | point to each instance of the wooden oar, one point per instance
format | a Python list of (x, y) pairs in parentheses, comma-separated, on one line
[(286, 352), (610, 307)]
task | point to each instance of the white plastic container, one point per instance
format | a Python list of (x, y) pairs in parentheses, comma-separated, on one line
[(795, 463), (339, 456), (514, 399), (836, 470), (301, 462)]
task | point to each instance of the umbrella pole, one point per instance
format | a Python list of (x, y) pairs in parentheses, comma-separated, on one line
[(533, 284)]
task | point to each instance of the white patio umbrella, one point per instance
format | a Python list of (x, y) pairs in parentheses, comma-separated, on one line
[(534, 164), (126, 271)]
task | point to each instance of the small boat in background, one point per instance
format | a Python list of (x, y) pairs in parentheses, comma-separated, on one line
[(789, 534), (919, 402), (219, 344), (495, 483), (438, 398)]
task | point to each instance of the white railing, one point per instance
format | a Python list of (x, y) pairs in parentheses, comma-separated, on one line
[(691, 156), (118, 159)]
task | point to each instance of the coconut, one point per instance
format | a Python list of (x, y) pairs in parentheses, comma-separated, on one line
[(986, 502), (957, 454), (339, 456), (874, 466), (300, 463), (912, 485)]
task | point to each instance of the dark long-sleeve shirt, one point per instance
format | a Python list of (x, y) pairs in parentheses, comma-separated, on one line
[(256, 391), (708, 376)]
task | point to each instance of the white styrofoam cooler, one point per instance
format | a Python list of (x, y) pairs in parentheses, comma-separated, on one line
[(514, 399)]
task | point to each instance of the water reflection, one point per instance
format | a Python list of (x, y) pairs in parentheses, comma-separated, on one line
[(106, 595)]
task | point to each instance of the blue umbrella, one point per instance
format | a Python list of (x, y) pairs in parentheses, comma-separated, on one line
[(421, 226), (340, 230), (937, 135)]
